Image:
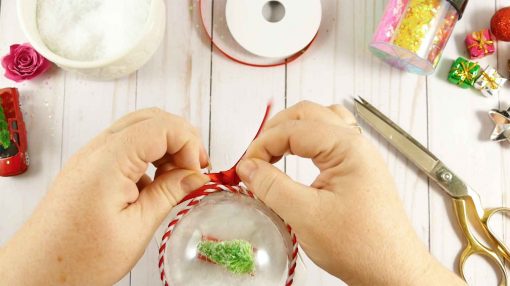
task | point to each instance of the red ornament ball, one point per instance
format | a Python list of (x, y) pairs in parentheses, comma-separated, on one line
[(500, 24)]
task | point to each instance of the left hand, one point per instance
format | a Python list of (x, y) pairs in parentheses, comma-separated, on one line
[(102, 210)]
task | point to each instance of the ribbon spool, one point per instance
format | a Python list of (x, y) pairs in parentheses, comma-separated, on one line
[(227, 182), (215, 25)]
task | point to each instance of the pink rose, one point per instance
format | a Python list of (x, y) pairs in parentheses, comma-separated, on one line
[(24, 63)]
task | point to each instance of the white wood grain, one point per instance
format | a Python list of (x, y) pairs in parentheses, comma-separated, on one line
[(226, 102), (42, 101), (343, 41), (239, 95), (177, 80)]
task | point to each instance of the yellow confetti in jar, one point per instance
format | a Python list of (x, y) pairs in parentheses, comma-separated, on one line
[(417, 22), (413, 33)]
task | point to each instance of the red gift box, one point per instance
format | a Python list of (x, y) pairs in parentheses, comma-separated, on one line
[(480, 44)]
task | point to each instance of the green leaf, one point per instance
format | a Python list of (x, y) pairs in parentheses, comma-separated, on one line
[(235, 255), (5, 136)]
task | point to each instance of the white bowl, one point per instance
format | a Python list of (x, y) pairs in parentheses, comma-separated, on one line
[(105, 69)]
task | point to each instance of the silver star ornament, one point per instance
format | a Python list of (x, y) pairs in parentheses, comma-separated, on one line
[(501, 121)]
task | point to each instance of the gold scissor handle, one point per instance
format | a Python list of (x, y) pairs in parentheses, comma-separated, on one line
[(488, 214), (465, 210)]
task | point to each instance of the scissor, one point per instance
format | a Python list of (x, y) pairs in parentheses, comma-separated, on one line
[(466, 202)]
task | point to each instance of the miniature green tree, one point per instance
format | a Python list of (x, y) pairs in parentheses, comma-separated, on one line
[(5, 136), (235, 255)]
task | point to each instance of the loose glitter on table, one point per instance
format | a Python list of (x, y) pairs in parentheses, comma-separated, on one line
[(413, 33)]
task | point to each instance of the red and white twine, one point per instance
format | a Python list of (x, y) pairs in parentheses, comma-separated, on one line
[(194, 200)]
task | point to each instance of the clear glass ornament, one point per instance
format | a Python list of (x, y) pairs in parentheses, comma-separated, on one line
[(226, 217)]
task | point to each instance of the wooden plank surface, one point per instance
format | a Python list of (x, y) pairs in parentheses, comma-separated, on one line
[(226, 101)]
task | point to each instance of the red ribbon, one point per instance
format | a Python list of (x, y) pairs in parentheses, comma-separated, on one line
[(229, 177)]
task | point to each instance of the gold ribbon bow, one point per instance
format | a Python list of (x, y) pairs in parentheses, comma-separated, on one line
[(466, 74), (491, 81), (483, 42)]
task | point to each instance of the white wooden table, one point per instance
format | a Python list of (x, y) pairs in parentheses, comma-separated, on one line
[(226, 101)]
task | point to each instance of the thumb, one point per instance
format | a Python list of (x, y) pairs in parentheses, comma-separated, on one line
[(292, 201), (168, 189)]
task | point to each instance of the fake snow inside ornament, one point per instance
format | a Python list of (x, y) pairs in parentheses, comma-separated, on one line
[(229, 239)]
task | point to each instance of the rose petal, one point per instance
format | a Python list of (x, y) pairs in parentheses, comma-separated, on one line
[(25, 71), (6, 60), (14, 70), (45, 65), (25, 58), (13, 76), (29, 63), (26, 64), (13, 49)]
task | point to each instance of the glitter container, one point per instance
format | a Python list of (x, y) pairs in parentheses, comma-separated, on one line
[(412, 34)]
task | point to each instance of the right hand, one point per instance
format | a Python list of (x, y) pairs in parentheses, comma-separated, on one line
[(350, 221)]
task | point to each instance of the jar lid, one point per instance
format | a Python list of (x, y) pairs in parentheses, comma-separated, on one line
[(460, 5)]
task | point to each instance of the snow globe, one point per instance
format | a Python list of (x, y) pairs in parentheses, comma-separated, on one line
[(226, 237)]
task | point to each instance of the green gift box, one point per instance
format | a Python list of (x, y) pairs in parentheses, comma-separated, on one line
[(464, 73)]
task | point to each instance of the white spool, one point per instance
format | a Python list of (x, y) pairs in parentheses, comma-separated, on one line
[(273, 28)]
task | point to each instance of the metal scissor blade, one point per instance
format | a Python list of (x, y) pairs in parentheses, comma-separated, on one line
[(416, 153), (401, 140)]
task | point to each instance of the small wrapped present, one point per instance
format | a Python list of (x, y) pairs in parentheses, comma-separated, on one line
[(480, 44), (464, 73), (489, 82)]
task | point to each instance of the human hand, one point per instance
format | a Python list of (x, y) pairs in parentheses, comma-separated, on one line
[(102, 210), (350, 221)]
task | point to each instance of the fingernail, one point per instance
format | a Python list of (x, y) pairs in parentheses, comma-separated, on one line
[(193, 182), (246, 169)]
